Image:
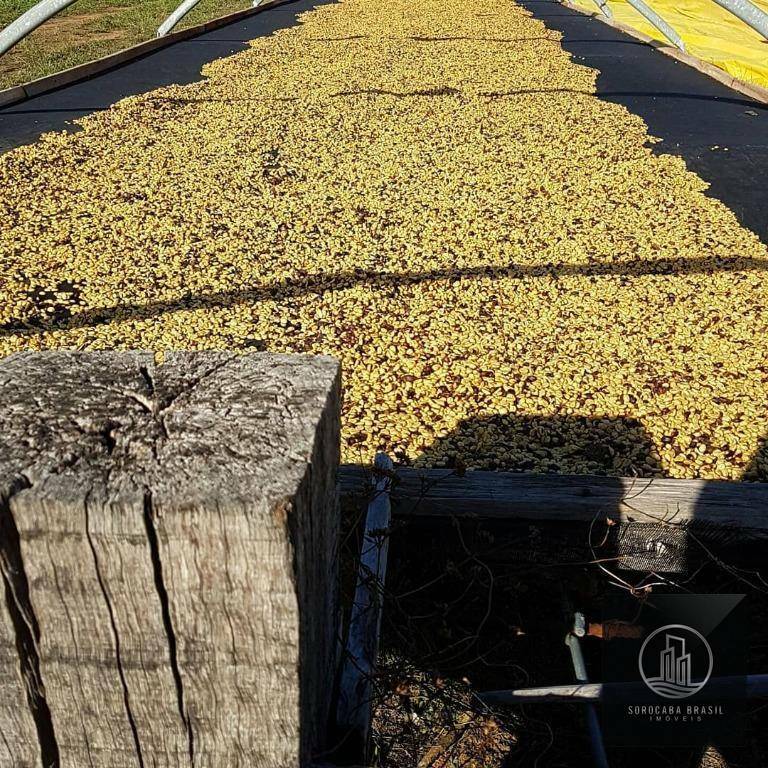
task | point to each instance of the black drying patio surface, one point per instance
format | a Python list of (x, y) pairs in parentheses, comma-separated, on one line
[(722, 135), (177, 64)]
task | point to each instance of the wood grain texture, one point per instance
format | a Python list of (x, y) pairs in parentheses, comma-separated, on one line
[(177, 527), (18, 738), (570, 497)]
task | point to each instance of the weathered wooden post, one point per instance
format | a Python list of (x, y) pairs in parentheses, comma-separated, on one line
[(168, 540)]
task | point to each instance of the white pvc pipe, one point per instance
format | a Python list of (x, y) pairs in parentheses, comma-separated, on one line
[(29, 21), (653, 18), (749, 13), (604, 8), (181, 11)]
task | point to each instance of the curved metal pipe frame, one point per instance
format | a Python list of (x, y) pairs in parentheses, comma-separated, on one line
[(17, 30), (604, 9), (181, 11), (29, 21), (653, 18), (749, 13)]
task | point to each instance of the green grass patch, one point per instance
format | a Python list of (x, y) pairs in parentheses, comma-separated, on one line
[(90, 29)]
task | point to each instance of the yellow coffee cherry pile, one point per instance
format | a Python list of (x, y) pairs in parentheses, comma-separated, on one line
[(431, 191)]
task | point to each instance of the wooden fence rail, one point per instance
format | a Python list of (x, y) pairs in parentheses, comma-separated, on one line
[(571, 498)]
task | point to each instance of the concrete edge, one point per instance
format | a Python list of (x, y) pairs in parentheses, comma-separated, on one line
[(12, 95), (756, 92), (19, 93)]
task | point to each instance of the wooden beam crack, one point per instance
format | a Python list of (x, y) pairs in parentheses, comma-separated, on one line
[(170, 633), (116, 638), (25, 625), (190, 386), (73, 635)]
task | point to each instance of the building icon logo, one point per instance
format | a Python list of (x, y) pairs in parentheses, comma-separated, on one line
[(675, 661)]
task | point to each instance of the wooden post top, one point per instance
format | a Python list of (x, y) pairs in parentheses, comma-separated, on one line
[(197, 424)]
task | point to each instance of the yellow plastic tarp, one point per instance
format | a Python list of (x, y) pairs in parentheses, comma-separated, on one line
[(709, 32)]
